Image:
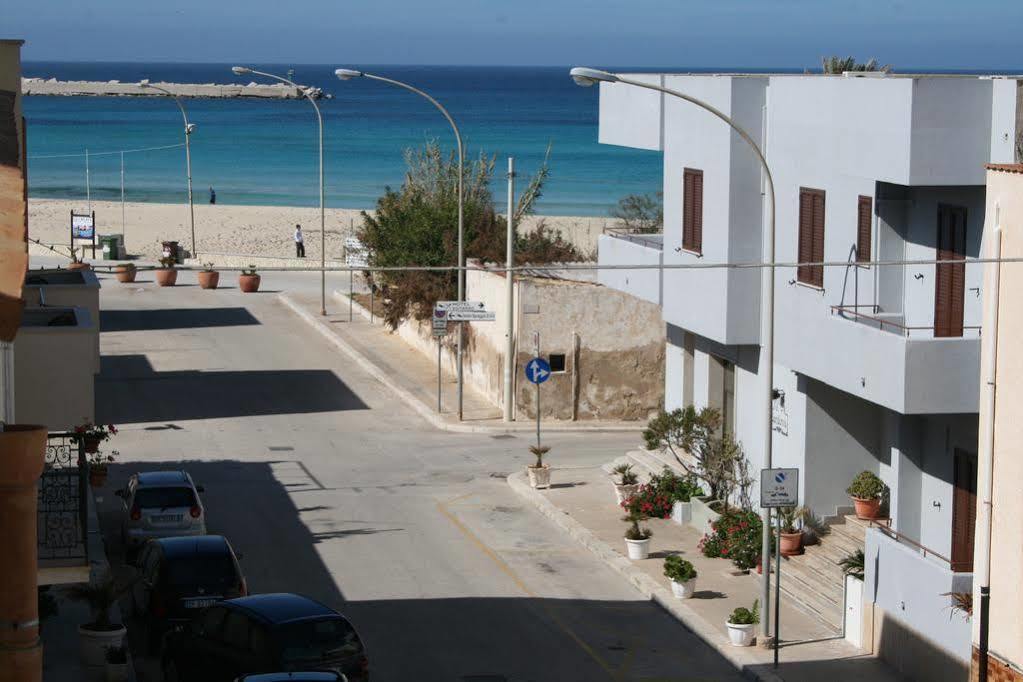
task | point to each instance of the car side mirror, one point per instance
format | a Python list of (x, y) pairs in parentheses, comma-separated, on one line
[(200, 488)]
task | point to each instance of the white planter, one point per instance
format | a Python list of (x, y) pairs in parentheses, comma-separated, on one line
[(854, 611), (624, 492), (118, 672), (740, 635), (638, 549), (702, 515), (681, 512), (539, 477), (684, 590), (93, 644)]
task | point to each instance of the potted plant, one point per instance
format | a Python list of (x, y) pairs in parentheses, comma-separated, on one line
[(167, 274), (125, 272), (539, 473), (866, 491), (740, 624), (682, 575), (680, 490), (814, 527), (626, 483), (98, 462), (99, 634), (117, 669), (852, 564), (248, 280), (637, 540), (208, 277), (791, 540), (76, 262), (90, 435)]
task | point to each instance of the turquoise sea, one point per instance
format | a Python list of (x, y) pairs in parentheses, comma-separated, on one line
[(264, 152)]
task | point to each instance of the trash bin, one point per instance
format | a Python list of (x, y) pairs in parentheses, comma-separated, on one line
[(110, 244), (171, 250)]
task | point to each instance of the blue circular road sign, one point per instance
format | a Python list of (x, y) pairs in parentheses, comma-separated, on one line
[(538, 371)]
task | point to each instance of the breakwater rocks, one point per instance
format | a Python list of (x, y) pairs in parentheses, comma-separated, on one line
[(54, 87)]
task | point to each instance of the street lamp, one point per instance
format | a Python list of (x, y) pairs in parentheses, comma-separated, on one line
[(308, 93), (189, 129), (347, 74), (588, 77)]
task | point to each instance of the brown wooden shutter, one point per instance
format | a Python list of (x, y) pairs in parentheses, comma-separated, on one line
[(692, 210), (818, 238), (698, 211), (865, 220), (950, 279), (687, 210), (811, 236), (964, 510)]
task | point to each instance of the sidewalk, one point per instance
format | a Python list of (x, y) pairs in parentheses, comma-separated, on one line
[(581, 501), (412, 376)]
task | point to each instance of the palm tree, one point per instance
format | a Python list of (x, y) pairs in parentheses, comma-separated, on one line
[(838, 65)]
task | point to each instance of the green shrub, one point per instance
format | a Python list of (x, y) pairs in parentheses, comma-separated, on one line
[(649, 502), (744, 616), (866, 486), (678, 569), (737, 536), (676, 488), (853, 564)]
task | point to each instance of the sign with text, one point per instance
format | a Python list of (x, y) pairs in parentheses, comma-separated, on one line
[(440, 326), (356, 255), (779, 488), (82, 227), (465, 311)]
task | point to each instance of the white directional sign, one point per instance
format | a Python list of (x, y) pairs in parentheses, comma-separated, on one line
[(464, 311), (779, 488), (440, 326)]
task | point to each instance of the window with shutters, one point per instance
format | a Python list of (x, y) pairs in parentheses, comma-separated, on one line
[(692, 210), (811, 236), (864, 223)]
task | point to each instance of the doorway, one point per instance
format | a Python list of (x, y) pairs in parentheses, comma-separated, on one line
[(964, 510), (950, 278)]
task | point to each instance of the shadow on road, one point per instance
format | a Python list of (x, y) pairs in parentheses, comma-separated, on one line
[(173, 318), (129, 391)]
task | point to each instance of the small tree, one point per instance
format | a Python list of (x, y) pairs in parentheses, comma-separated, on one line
[(839, 65), (640, 213)]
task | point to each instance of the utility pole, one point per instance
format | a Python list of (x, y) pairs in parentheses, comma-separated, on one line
[(509, 284), (88, 190)]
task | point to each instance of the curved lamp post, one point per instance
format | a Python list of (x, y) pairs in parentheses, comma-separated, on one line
[(587, 77), (347, 74), (189, 129), (308, 93)]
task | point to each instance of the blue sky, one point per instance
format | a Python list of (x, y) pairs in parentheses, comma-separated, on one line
[(699, 33)]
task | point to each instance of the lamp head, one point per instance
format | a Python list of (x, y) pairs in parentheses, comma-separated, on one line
[(189, 129), (144, 83), (587, 77), (347, 74), (241, 70)]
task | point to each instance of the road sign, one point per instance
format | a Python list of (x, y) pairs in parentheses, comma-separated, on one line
[(440, 326), (354, 244), (538, 371), (465, 311), (779, 488)]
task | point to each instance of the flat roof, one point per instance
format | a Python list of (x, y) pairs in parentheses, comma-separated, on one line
[(1005, 167), (879, 75), (11, 41)]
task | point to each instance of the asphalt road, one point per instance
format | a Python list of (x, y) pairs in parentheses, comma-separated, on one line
[(329, 486)]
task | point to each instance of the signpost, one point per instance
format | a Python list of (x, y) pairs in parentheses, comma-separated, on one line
[(537, 372), (466, 311), (356, 256), (83, 229), (778, 488)]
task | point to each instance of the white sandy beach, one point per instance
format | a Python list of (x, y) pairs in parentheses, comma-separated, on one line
[(247, 230)]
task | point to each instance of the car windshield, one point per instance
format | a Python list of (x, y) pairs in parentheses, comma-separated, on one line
[(316, 640), (164, 498), (201, 570)]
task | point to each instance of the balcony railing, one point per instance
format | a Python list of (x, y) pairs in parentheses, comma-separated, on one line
[(887, 324), (954, 566), (63, 503), (654, 240)]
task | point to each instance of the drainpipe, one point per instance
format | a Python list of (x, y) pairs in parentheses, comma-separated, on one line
[(986, 482)]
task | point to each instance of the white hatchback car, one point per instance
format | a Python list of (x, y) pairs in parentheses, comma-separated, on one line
[(160, 504)]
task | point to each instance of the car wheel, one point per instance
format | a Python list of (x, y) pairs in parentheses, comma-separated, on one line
[(170, 672)]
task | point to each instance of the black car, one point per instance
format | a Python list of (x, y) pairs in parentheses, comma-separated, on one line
[(294, 677), (261, 634), (178, 577)]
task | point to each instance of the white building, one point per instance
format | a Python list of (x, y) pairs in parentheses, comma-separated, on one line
[(876, 367)]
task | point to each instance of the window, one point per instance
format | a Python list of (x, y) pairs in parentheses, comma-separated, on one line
[(692, 210), (864, 223), (164, 498), (811, 236), (557, 362)]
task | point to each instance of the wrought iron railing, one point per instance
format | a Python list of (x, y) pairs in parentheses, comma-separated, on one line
[(63, 502)]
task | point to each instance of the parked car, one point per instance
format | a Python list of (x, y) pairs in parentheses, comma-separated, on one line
[(264, 633), (180, 576), (294, 677), (160, 504)]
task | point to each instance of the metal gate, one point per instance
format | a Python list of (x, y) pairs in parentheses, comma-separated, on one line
[(63, 502)]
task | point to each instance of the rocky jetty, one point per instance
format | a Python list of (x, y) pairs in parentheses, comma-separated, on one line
[(54, 87)]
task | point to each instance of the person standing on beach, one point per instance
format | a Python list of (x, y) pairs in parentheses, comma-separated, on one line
[(299, 242), (213, 195)]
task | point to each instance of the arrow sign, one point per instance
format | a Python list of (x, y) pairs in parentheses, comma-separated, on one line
[(538, 371)]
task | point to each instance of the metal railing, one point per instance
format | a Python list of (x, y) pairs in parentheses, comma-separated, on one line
[(906, 540), (651, 239), (851, 311), (63, 502)]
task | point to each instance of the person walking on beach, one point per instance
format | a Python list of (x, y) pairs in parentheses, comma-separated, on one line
[(299, 242), (213, 195)]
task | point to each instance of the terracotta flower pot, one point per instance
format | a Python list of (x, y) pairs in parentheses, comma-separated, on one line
[(125, 273), (79, 266), (91, 445), (97, 476), (791, 543), (248, 283), (208, 279), (867, 509), (166, 277)]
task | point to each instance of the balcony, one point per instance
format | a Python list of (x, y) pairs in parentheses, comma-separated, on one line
[(62, 514), (621, 247), (67, 289)]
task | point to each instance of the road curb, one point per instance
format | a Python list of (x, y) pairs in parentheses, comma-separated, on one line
[(421, 408), (709, 632)]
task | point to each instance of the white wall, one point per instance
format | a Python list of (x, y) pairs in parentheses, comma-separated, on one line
[(951, 131), (1004, 120), (631, 116), (644, 284)]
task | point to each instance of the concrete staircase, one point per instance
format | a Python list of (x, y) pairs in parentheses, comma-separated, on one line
[(814, 579)]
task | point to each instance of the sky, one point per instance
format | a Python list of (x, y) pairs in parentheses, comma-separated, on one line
[(942, 34)]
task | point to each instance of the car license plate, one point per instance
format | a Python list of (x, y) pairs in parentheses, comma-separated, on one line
[(166, 518), (200, 603)]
